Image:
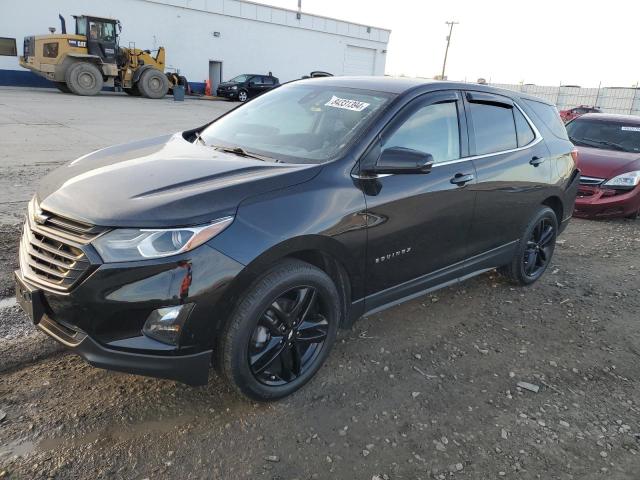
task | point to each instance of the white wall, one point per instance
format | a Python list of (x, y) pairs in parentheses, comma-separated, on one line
[(253, 38)]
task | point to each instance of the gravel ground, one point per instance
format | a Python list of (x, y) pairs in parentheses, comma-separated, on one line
[(426, 390)]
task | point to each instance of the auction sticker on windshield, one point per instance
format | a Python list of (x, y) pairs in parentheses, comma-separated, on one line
[(347, 104), (631, 129)]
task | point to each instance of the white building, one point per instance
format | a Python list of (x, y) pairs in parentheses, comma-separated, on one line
[(208, 39)]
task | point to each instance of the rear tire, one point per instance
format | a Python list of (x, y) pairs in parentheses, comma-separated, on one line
[(535, 249), (62, 87), (84, 79), (153, 84), (281, 332)]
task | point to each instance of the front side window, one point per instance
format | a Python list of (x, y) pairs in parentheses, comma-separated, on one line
[(8, 47), (431, 129), (298, 123), (606, 135), (494, 128), (102, 32)]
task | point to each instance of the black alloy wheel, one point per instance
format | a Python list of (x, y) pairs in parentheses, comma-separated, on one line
[(288, 337), (539, 248), (533, 253), (281, 331)]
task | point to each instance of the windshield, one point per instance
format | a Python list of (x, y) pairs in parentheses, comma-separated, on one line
[(605, 135), (298, 123), (240, 78)]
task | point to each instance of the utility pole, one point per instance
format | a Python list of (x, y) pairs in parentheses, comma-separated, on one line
[(446, 52)]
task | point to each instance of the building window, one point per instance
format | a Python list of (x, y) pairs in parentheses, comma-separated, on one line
[(8, 47)]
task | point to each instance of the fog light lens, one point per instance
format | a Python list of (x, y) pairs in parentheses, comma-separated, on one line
[(165, 324)]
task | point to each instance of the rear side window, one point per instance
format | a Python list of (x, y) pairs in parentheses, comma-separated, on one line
[(523, 129), (549, 115), (495, 130)]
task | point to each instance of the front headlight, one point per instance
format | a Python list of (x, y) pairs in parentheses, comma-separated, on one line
[(626, 180), (129, 244), (235, 87)]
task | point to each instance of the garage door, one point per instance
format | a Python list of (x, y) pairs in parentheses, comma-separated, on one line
[(359, 61)]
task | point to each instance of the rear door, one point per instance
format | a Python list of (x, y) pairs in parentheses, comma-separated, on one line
[(419, 223), (512, 167)]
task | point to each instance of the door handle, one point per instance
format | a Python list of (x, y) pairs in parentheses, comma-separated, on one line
[(461, 178), (535, 161)]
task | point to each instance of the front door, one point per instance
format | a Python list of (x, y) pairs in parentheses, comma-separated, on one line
[(418, 224), (101, 39)]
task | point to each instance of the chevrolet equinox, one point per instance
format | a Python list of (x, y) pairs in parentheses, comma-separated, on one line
[(248, 242)]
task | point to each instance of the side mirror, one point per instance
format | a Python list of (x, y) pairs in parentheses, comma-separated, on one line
[(403, 160)]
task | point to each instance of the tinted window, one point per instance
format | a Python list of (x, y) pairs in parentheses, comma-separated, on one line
[(8, 47), (549, 115), (605, 135), (268, 80), (495, 130), (523, 129), (431, 129)]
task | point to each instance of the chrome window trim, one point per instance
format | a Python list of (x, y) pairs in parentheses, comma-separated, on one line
[(537, 139)]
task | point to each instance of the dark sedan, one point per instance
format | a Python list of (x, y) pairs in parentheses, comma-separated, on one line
[(248, 242), (246, 86)]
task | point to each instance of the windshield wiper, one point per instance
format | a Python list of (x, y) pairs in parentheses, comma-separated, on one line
[(241, 152), (606, 143)]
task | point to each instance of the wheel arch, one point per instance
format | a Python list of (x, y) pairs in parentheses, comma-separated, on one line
[(323, 252)]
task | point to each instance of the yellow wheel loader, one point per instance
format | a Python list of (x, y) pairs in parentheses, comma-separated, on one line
[(92, 58)]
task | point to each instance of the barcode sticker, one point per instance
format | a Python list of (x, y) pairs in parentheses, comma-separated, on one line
[(347, 104)]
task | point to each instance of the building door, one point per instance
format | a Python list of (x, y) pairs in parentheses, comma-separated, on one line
[(359, 61), (215, 75)]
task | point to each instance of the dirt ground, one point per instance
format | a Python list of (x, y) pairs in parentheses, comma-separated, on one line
[(426, 390)]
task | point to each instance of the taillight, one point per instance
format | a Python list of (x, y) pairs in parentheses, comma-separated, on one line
[(574, 155)]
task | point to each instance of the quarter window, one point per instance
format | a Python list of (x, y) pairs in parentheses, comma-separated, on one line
[(494, 128), (523, 129), (8, 47), (431, 129), (550, 117)]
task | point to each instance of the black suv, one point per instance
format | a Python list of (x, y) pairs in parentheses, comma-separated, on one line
[(246, 86), (249, 241)]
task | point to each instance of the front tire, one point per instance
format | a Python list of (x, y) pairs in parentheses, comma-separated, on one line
[(153, 84), (535, 250), (243, 96), (281, 332), (84, 79)]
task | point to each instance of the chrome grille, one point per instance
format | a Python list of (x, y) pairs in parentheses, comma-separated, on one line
[(52, 250), (590, 180)]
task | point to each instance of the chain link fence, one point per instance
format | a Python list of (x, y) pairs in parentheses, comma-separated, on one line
[(608, 99)]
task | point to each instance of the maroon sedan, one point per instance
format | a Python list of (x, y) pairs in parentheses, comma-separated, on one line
[(609, 159)]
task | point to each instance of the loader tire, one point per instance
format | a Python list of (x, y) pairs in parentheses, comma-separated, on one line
[(84, 78), (153, 84)]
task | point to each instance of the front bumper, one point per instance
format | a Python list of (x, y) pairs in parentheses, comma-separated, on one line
[(227, 93), (190, 369), (101, 318), (597, 202)]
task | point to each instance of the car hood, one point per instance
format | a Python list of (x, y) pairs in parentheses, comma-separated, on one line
[(161, 182), (599, 163), (228, 84)]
